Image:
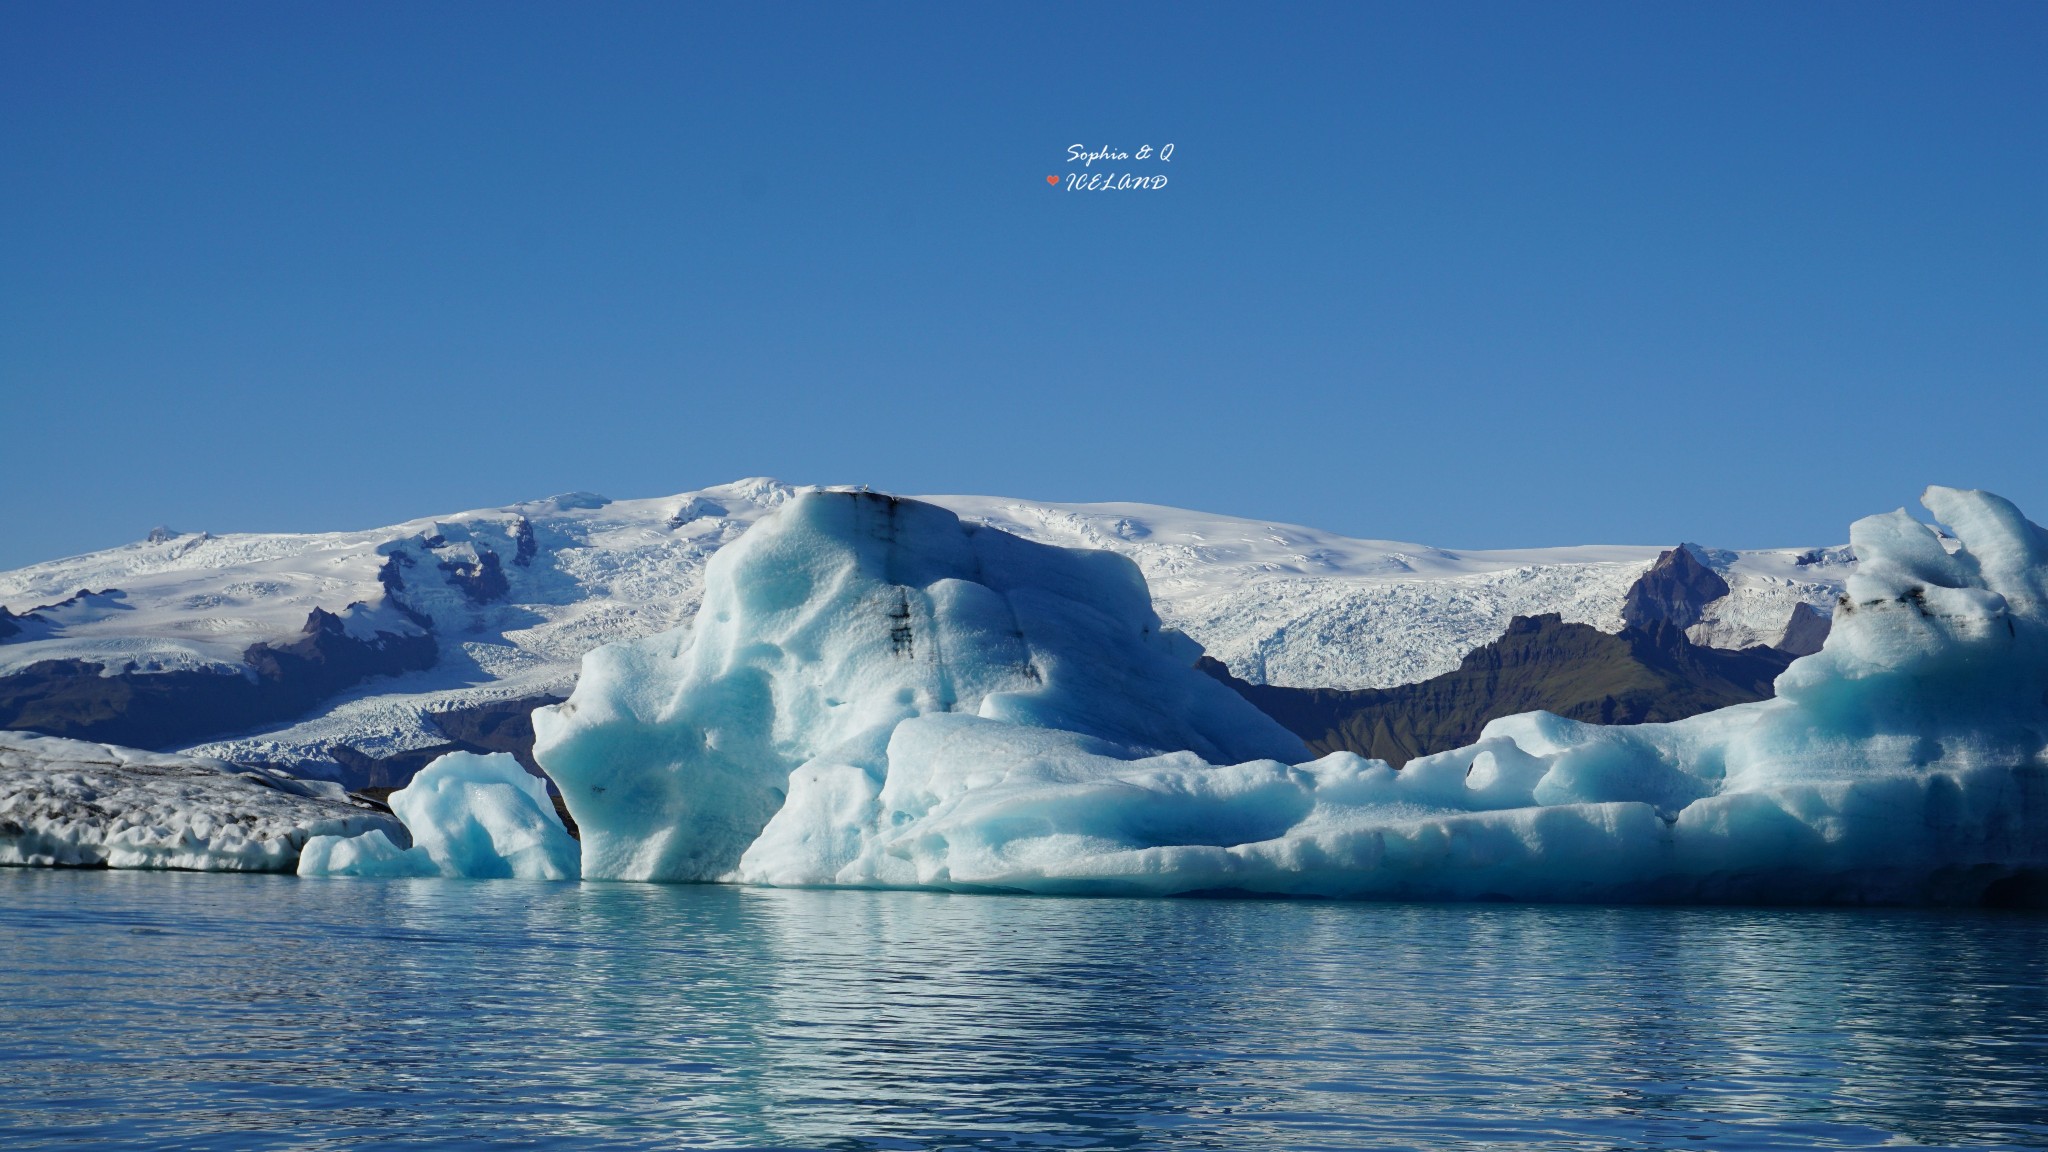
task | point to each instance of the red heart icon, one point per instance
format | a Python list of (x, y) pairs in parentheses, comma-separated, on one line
[(1052, 179)]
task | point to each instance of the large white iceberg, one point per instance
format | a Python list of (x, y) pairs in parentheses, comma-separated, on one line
[(475, 816), (825, 629), (877, 694)]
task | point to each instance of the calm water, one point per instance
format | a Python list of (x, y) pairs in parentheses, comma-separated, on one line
[(187, 1011)]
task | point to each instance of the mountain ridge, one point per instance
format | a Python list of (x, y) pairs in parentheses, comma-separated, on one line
[(513, 597)]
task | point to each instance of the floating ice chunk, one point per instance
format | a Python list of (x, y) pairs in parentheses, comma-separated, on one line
[(72, 803), (371, 854), (829, 624), (469, 815), (878, 695)]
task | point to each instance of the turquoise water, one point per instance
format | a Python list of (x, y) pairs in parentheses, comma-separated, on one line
[(194, 1011)]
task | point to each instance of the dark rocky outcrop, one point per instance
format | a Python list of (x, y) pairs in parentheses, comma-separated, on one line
[(1806, 631), (1676, 589), (1649, 672), (525, 547), (81, 700), (106, 599), (1643, 675), (325, 658), (482, 580), (391, 574), (505, 726)]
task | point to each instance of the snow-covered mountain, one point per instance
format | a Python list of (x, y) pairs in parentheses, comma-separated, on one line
[(513, 597), (1284, 604)]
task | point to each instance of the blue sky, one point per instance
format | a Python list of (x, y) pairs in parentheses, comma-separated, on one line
[(1475, 275)]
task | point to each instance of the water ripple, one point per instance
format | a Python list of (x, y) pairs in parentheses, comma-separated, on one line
[(227, 1012)]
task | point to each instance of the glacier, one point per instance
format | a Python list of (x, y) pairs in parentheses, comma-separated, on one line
[(481, 817), (878, 693)]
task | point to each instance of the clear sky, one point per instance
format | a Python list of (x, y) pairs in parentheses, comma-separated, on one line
[(1473, 275)]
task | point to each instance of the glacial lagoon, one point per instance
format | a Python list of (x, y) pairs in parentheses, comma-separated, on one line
[(172, 1010)]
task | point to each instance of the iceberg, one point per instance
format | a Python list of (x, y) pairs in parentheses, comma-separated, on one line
[(474, 816), (876, 693), (78, 804), (828, 626)]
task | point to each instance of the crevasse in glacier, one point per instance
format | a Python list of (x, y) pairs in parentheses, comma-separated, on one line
[(469, 815), (877, 694)]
